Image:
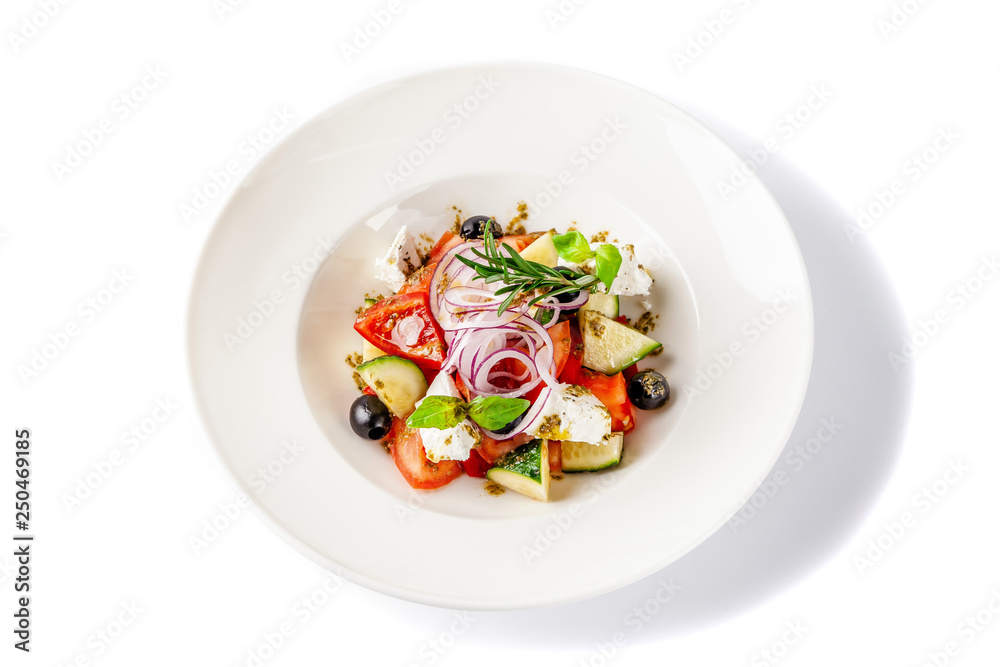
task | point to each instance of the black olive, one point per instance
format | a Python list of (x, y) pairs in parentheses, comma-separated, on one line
[(511, 425), (370, 418), (567, 297), (475, 227), (648, 390)]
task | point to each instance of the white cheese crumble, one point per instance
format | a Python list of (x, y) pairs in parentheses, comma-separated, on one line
[(455, 443), (631, 278), (573, 413), (400, 261)]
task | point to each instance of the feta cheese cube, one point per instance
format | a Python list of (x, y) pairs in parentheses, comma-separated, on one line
[(400, 261), (631, 278), (573, 413), (455, 443)]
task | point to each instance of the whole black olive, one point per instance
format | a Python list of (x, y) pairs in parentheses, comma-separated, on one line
[(648, 390), (370, 418), (475, 227)]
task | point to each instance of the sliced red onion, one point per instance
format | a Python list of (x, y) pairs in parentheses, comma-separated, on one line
[(406, 333)]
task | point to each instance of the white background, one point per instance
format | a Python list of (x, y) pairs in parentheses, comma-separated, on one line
[(828, 555)]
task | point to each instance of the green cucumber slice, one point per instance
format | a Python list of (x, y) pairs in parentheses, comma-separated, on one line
[(605, 304), (525, 470), (585, 457), (398, 382), (610, 347)]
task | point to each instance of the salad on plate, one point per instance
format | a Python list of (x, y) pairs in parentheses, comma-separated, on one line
[(504, 357)]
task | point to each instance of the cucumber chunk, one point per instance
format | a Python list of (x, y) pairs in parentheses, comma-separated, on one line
[(525, 470), (398, 382), (610, 347), (585, 457), (605, 304), (541, 250)]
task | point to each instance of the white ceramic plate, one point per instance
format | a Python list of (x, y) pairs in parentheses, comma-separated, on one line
[(291, 257)]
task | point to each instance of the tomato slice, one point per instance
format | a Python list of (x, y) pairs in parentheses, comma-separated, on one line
[(555, 457), (562, 340), (491, 449), (462, 389), (570, 372), (377, 323), (447, 241), (475, 465), (518, 241), (610, 390), (419, 280), (630, 372), (417, 469)]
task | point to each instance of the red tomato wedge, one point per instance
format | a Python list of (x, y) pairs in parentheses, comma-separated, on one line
[(475, 465), (518, 241), (555, 456), (570, 372), (444, 244), (562, 340), (491, 449), (419, 472), (377, 323), (419, 280), (610, 390)]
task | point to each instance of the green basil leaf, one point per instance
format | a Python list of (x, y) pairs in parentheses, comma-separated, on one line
[(437, 412), (572, 246), (608, 261), (494, 412)]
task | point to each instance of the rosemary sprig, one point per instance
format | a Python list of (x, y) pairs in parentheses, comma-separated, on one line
[(524, 276)]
